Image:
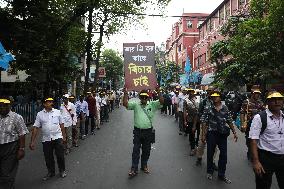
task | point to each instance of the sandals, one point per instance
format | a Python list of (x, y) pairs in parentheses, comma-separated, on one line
[(145, 170), (132, 173)]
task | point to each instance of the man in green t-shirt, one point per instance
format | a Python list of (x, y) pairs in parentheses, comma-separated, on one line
[(144, 111)]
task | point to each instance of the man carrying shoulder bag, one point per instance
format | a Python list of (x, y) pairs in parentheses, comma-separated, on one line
[(143, 132), (215, 131)]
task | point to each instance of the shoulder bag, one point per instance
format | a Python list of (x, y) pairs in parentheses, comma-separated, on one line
[(152, 137)]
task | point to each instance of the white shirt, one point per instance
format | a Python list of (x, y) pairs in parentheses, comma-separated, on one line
[(175, 100), (103, 101), (98, 101), (272, 139), (49, 123), (181, 98), (66, 112)]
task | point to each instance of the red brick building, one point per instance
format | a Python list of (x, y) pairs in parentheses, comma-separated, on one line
[(209, 33), (184, 35)]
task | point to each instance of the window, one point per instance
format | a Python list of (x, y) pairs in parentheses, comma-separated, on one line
[(227, 9), (207, 55), (209, 25), (201, 34), (179, 48), (199, 61), (241, 3), (199, 23), (188, 24), (221, 16)]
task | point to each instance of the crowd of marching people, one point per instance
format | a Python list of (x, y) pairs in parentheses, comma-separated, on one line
[(62, 126), (206, 118)]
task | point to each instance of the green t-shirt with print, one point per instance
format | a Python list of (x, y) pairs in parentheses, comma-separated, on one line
[(141, 120)]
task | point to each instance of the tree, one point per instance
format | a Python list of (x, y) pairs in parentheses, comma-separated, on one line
[(30, 29), (113, 64), (253, 46), (113, 16), (44, 34)]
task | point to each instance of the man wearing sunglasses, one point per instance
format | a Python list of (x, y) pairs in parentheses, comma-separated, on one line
[(143, 132)]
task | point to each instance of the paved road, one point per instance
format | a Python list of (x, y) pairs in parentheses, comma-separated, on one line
[(102, 161)]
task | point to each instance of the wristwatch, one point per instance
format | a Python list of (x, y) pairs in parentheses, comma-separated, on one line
[(23, 149)]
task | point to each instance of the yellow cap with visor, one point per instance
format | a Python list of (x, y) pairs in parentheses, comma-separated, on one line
[(5, 101), (215, 94), (48, 99), (144, 94), (275, 95)]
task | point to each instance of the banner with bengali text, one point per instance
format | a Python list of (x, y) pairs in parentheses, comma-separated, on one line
[(139, 66)]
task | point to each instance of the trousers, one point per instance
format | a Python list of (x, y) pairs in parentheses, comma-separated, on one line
[(49, 147), (141, 139), (8, 164), (271, 163), (215, 139)]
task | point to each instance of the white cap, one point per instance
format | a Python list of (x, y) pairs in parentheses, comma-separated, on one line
[(66, 95)]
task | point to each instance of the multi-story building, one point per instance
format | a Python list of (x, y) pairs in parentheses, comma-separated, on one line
[(209, 33), (184, 35)]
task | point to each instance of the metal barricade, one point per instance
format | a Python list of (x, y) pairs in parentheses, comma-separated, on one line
[(28, 111)]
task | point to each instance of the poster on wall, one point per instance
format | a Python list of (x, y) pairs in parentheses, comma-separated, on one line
[(139, 66)]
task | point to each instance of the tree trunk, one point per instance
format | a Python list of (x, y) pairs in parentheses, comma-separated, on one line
[(88, 49), (98, 53)]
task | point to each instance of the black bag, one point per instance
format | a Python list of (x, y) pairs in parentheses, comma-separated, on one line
[(223, 130), (153, 137)]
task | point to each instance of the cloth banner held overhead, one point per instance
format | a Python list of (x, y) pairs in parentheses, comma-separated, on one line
[(139, 66)]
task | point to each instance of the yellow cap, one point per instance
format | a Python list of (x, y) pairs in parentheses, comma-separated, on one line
[(144, 94), (215, 94), (275, 95), (256, 91), (71, 97), (5, 101), (48, 99), (189, 89)]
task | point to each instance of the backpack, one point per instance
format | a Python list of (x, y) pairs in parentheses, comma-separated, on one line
[(263, 118)]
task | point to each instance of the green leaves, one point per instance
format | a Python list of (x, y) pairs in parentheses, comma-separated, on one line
[(113, 64), (254, 45)]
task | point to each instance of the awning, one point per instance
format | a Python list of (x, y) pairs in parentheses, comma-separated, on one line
[(207, 79)]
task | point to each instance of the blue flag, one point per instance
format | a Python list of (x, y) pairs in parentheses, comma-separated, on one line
[(5, 58), (183, 80), (187, 68)]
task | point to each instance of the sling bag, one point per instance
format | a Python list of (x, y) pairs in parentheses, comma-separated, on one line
[(152, 137)]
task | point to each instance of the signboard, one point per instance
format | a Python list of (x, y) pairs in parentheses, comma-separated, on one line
[(102, 72), (139, 66)]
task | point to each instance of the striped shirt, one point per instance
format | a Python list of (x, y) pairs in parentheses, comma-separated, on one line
[(12, 126)]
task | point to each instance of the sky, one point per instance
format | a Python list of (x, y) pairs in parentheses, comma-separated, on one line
[(159, 29)]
